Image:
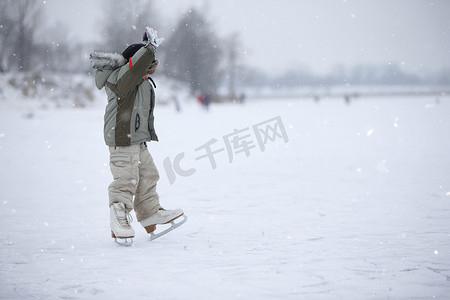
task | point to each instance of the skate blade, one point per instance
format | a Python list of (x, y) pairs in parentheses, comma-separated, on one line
[(127, 242), (173, 225), (151, 228), (123, 241)]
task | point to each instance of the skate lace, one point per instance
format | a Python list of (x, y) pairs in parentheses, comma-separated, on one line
[(124, 221), (128, 218)]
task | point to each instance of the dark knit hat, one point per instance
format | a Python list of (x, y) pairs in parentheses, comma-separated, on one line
[(131, 50)]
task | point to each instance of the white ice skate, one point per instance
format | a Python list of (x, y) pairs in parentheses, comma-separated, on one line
[(121, 230), (163, 216)]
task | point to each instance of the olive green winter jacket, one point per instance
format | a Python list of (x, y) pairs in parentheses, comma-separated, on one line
[(131, 99)]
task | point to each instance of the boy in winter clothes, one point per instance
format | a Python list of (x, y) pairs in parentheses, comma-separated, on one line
[(129, 124)]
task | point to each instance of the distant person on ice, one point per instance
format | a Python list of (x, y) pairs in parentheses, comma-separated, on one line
[(204, 100), (129, 124)]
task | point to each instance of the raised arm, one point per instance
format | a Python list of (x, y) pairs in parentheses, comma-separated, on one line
[(130, 75)]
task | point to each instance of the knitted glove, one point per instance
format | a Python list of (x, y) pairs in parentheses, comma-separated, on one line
[(151, 36)]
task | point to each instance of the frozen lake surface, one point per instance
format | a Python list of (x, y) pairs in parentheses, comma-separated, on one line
[(348, 202)]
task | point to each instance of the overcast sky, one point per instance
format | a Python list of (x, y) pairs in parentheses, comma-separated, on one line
[(319, 34)]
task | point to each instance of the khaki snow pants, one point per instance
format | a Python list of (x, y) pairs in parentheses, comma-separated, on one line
[(134, 174)]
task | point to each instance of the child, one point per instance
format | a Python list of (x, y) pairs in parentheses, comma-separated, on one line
[(129, 124)]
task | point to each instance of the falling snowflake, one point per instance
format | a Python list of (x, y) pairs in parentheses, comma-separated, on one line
[(396, 123)]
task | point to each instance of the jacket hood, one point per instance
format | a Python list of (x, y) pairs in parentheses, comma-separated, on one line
[(101, 76), (105, 63), (108, 61)]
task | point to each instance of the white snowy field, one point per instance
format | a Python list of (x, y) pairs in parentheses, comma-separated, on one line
[(354, 205)]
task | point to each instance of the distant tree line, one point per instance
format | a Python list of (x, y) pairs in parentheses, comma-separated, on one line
[(192, 53), (390, 74)]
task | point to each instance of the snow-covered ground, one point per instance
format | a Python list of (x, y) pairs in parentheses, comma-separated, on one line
[(349, 202)]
